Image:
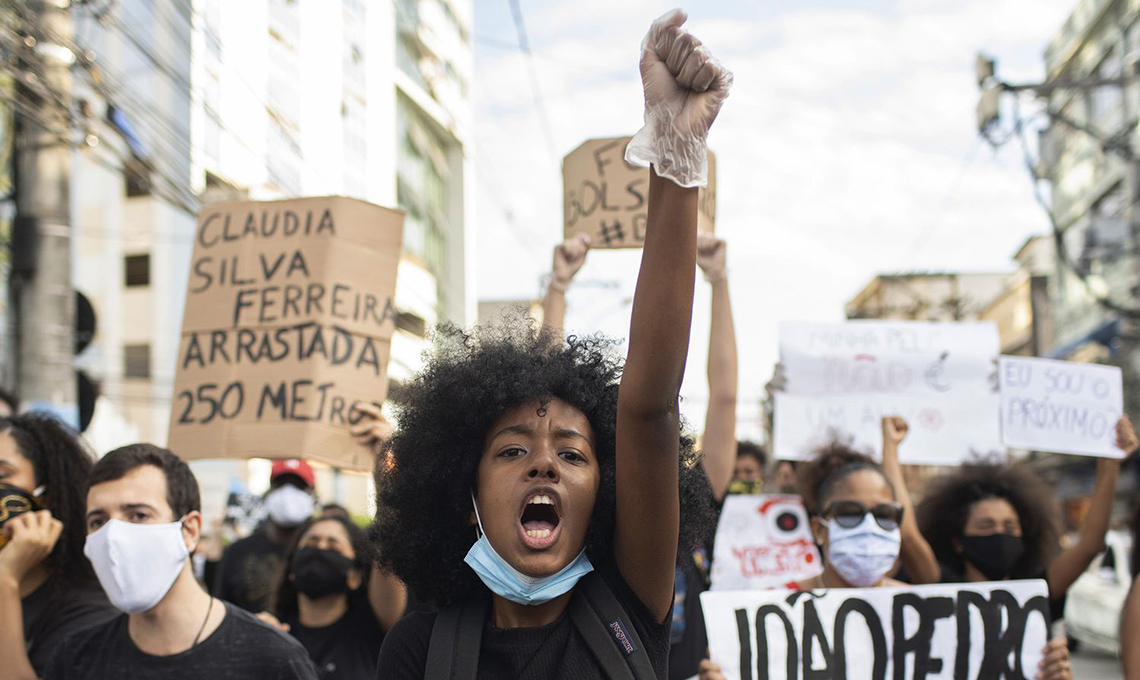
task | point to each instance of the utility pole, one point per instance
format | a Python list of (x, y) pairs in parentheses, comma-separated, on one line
[(42, 291)]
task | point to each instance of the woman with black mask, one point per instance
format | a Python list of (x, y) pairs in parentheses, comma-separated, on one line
[(334, 602)]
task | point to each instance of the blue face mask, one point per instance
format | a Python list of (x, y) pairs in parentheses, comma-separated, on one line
[(506, 581)]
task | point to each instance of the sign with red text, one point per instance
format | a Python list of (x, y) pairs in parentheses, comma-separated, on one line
[(842, 379), (970, 631), (763, 541), (608, 199), (288, 324), (1061, 406)]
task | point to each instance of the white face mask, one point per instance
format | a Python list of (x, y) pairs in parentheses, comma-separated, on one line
[(288, 506), (863, 554), (136, 563)]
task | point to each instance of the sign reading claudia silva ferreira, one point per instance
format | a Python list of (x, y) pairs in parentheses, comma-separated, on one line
[(288, 324), (763, 541), (979, 631)]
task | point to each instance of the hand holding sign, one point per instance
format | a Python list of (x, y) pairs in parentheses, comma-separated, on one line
[(373, 427), (684, 89), (1056, 664), (1126, 439)]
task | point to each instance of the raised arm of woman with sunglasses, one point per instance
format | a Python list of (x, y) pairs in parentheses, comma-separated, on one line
[(915, 553)]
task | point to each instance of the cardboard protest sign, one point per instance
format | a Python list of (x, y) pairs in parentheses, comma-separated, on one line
[(961, 631), (763, 541), (1061, 406), (841, 379), (607, 198), (288, 324)]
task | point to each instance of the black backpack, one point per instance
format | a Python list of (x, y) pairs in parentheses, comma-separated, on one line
[(453, 653)]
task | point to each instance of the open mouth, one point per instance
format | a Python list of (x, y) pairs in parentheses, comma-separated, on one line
[(540, 519)]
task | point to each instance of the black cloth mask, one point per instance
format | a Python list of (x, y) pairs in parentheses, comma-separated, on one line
[(318, 573), (993, 554)]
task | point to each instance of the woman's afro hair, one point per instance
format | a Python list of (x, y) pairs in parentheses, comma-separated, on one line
[(944, 510), (426, 470), (832, 463)]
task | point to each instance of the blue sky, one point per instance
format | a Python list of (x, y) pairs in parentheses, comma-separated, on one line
[(847, 148)]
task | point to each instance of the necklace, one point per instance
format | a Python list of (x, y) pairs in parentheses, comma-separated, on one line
[(206, 620)]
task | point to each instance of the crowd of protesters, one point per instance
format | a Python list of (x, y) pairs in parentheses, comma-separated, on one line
[(537, 496)]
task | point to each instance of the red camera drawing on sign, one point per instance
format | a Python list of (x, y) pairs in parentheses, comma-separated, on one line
[(763, 542)]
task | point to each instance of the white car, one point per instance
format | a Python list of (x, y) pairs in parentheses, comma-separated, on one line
[(1095, 600)]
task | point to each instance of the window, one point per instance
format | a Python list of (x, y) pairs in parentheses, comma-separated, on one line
[(136, 270), (136, 361)]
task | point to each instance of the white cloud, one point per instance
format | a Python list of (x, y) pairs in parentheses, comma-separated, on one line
[(836, 152)]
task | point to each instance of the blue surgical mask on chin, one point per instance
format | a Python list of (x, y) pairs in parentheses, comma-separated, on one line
[(507, 582)]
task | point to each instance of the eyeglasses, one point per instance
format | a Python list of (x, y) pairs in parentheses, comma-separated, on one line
[(850, 514)]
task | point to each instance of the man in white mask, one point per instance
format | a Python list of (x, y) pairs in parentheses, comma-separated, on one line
[(143, 522), (252, 567)]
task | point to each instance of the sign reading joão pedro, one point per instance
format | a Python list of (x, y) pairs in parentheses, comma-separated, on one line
[(978, 631), (607, 199), (288, 325)]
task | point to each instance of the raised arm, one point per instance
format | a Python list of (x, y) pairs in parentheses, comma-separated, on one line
[(915, 553), (1130, 630), (683, 92), (569, 256), (388, 598), (718, 445), (1090, 542)]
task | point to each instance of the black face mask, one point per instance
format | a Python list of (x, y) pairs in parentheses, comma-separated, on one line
[(318, 573), (993, 554)]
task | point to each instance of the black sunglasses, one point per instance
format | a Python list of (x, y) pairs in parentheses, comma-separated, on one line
[(850, 514)]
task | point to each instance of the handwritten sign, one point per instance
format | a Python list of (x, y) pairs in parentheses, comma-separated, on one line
[(607, 199), (841, 379), (1061, 406), (965, 632), (763, 541), (288, 325)]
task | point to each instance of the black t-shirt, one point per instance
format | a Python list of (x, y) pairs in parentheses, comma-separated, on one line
[(57, 609), (555, 651), (241, 648), (347, 649), (250, 572)]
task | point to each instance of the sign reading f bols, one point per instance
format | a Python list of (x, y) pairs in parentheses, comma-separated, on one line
[(607, 199), (979, 631), (763, 541), (288, 324), (1061, 406), (843, 378)]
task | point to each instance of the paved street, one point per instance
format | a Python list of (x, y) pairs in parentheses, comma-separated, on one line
[(1095, 665)]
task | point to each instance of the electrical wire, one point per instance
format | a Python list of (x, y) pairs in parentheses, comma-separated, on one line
[(539, 105)]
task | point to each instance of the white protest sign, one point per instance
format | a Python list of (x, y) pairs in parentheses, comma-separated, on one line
[(841, 379), (763, 541), (1061, 406), (947, 632)]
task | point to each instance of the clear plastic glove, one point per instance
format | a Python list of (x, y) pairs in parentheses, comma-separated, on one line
[(684, 89), (711, 257)]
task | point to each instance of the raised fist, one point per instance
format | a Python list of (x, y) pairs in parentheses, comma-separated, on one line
[(569, 256), (711, 257), (684, 88), (894, 430)]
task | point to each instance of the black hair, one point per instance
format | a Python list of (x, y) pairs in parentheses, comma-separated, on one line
[(9, 397), (181, 486), (790, 463), (335, 509), (285, 597), (752, 450), (833, 463), (945, 509), (426, 470), (61, 464)]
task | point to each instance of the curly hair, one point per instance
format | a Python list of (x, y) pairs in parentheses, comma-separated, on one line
[(426, 469), (832, 463), (285, 596), (61, 465), (753, 450), (945, 509)]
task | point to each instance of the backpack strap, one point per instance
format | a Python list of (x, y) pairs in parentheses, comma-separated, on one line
[(603, 623), (453, 653)]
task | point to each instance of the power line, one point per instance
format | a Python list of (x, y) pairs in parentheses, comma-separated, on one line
[(936, 221), (540, 107)]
